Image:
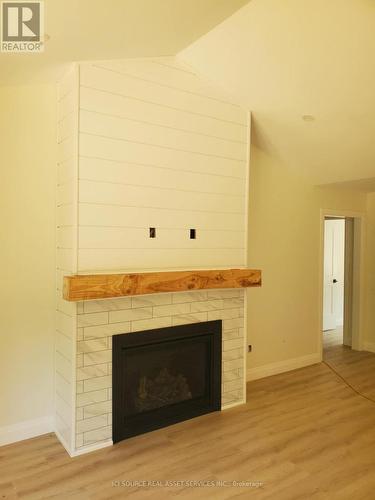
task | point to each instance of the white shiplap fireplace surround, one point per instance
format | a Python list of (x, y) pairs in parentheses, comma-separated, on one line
[(141, 144)]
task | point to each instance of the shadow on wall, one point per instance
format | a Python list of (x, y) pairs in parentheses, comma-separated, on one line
[(260, 138)]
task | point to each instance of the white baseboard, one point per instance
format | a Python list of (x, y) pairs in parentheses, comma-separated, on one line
[(63, 442), (91, 448), (83, 450), (368, 346), (282, 366), (26, 430), (232, 405)]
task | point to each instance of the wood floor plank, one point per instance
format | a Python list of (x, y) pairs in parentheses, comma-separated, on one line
[(303, 434)]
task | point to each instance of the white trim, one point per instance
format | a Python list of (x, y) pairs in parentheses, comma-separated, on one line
[(283, 366), (233, 405), (247, 264), (63, 442), (73, 436), (359, 283), (368, 346), (90, 448), (358, 319), (245, 343), (25, 430), (248, 190), (83, 450), (348, 281)]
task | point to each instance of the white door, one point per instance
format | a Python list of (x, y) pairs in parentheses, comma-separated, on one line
[(334, 256)]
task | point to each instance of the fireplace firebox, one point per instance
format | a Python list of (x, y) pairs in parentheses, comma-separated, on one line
[(163, 376)]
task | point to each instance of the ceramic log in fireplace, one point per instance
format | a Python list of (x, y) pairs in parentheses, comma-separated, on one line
[(164, 376)]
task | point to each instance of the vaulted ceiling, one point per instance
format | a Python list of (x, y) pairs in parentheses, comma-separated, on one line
[(110, 29), (306, 68)]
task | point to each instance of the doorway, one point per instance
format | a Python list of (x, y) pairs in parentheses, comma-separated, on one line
[(342, 280), (334, 281)]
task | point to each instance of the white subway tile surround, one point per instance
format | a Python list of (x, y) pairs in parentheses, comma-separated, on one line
[(94, 403)]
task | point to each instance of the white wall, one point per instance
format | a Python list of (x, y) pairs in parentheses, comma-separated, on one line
[(159, 148), (289, 58), (27, 256), (284, 241), (284, 222)]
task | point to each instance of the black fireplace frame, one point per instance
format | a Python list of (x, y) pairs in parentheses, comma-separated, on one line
[(125, 427)]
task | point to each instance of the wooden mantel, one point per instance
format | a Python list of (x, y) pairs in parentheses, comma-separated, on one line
[(106, 286)]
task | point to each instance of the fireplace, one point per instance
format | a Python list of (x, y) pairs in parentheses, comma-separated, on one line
[(164, 376)]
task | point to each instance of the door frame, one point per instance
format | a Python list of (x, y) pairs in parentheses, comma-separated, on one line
[(358, 284)]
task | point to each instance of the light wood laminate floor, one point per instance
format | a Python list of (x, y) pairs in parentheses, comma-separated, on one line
[(304, 434), (358, 368)]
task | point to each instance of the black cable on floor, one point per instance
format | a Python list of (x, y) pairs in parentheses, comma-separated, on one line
[(347, 383)]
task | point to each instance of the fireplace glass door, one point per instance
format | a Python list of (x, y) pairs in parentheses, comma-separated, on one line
[(164, 376)]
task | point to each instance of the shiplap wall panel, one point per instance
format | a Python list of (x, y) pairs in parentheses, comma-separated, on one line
[(63, 408), (66, 125), (144, 196), (117, 238), (65, 194), (66, 254), (150, 176), (141, 144), (65, 322), (159, 147), (66, 171), (60, 273), (119, 216), (115, 260), (65, 149), (99, 124), (65, 238), (66, 215), (172, 74), (64, 345), (63, 368), (66, 85), (142, 111), (66, 105), (63, 306), (109, 148), (112, 80), (65, 259), (63, 388)]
